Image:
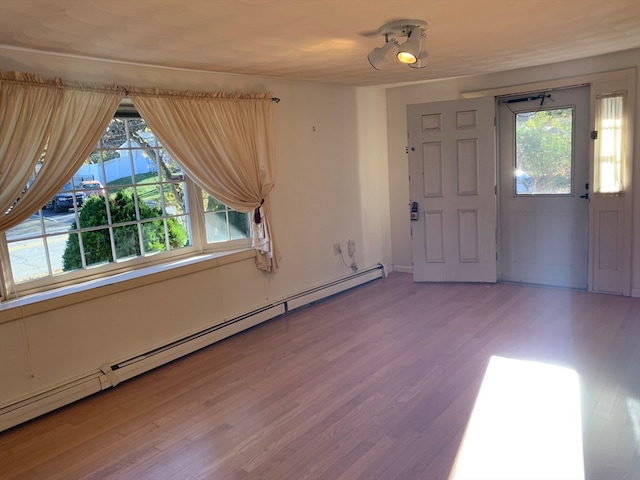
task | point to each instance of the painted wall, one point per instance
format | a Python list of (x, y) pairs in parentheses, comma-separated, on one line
[(331, 185), (398, 98)]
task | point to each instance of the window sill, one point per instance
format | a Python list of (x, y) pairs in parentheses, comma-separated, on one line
[(53, 299)]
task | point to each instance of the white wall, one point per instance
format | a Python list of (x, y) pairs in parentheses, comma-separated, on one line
[(331, 185), (398, 98)]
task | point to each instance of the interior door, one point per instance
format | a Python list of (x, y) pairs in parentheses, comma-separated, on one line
[(452, 182), (544, 175)]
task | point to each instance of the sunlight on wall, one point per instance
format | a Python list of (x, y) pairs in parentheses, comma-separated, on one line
[(526, 424)]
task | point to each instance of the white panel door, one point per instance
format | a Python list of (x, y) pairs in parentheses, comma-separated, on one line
[(544, 175), (452, 181)]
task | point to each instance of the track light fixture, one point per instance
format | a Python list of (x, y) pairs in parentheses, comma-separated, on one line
[(379, 57), (412, 52)]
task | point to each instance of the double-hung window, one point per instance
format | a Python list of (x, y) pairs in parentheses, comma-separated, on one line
[(130, 205)]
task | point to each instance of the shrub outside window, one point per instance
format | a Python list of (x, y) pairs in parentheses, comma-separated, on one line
[(129, 205), (544, 152)]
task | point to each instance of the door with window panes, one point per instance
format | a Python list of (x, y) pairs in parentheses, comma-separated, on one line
[(544, 176)]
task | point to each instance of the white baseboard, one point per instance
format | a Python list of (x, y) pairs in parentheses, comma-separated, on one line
[(635, 292), (402, 269), (45, 402), (340, 285), (148, 361), (111, 375)]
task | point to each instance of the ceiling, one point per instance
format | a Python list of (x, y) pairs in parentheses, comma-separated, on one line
[(321, 40)]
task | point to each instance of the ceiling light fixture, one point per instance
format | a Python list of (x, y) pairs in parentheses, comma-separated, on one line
[(379, 57), (412, 52)]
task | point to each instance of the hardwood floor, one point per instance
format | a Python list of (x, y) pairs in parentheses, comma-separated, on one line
[(376, 383)]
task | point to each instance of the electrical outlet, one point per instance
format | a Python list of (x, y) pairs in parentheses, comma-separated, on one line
[(351, 247), (337, 249)]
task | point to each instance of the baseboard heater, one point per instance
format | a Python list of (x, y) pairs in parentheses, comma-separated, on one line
[(110, 375)]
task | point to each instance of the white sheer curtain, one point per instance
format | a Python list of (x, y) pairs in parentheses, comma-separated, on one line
[(225, 144), (608, 164), (50, 124)]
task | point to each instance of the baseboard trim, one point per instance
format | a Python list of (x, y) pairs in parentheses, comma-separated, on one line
[(110, 375), (402, 269), (45, 402)]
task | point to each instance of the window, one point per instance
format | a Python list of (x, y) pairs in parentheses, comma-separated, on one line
[(129, 205), (222, 223), (544, 152), (608, 165)]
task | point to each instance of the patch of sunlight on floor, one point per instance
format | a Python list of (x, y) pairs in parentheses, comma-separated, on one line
[(526, 424), (633, 407)]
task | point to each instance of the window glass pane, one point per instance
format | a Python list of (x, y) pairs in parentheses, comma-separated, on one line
[(154, 237), (174, 198), (96, 245), (145, 163), (93, 213), (211, 204), (57, 245), (222, 223), (239, 225), (141, 135), (71, 253), (169, 168), (178, 228), (117, 170), (28, 246), (127, 241), (544, 151), (27, 256), (608, 156), (28, 259), (217, 226), (150, 198), (31, 227)]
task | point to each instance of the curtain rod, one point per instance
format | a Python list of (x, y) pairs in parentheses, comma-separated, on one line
[(273, 99), (16, 77)]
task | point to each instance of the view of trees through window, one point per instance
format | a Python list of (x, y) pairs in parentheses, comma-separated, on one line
[(128, 200), (544, 143)]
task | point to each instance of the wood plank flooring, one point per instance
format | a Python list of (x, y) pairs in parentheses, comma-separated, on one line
[(376, 383)]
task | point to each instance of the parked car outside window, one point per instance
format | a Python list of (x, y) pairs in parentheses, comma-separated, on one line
[(524, 183), (64, 199), (92, 188)]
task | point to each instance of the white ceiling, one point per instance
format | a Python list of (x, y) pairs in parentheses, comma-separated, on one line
[(320, 40)]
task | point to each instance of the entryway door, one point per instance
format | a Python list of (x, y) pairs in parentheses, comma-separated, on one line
[(543, 190), (453, 190)]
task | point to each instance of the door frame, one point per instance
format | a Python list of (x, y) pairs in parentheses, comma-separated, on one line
[(598, 83)]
